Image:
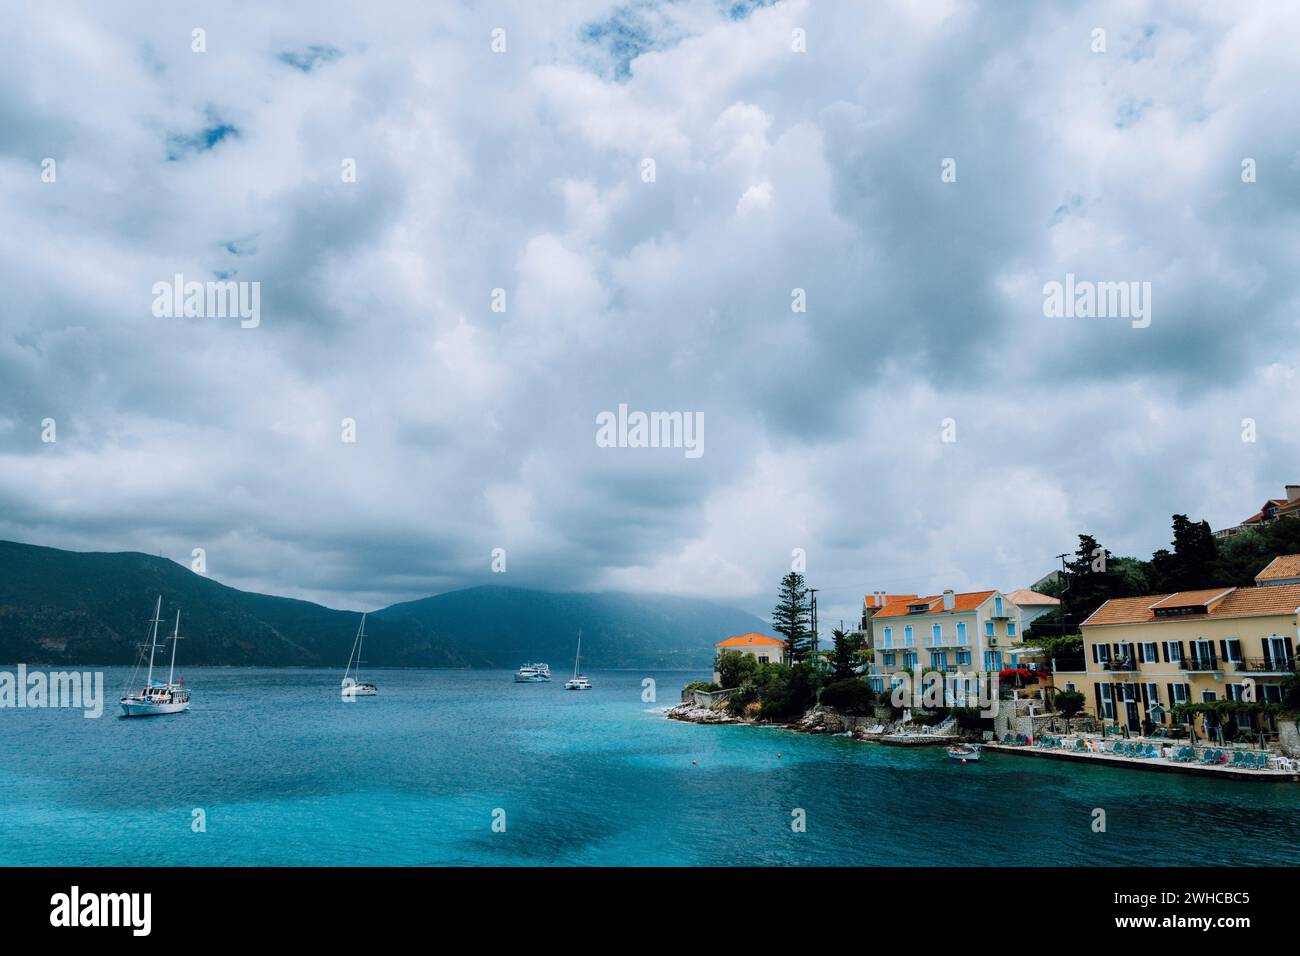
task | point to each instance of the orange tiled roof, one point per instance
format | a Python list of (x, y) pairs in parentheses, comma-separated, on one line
[(1282, 567), (1259, 515), (750, 640), (1191, 598), (1025, 597), (968, 601), (1240, 602)]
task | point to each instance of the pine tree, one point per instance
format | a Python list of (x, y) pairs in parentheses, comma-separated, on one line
[(842, 656), (791, 618)]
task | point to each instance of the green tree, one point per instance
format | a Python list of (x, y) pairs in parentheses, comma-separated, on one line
[(735, 668), (844, 652), (791, 617), (1068, 703), (851, 696), (1193, 561)]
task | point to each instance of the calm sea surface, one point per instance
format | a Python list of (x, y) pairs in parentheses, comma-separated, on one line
[(288, 774)]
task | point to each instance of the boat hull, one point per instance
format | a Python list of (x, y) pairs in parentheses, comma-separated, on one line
[(359, 690), (963, 755), (142, 708)]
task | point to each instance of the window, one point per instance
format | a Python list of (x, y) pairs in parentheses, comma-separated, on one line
[(1107, 702), (889, 660), (1236, 691), (1069, 685), (889, 636), (1276, 657), (1271, 693), (1182, 693), (988, 628), (997, 606), (1208, 695), (907, 635), (763, 658), (1100, 653), (1203, 656), (993, 660), (909, 661), (1174, 651), (1011, 628), (936, 633), (1232, 650), (963, 657), (1147, 653), (961, 632), (939, 659)]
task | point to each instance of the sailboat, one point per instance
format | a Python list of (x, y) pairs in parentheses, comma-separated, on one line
[(578, 682), (353, 685), (155, 699)]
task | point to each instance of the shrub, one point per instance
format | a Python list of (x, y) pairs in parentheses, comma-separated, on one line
[(851, 696)]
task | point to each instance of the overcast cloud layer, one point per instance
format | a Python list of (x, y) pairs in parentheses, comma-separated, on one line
[(522, 170)]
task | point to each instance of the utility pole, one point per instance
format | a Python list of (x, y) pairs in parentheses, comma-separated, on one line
[(812, 598), (1065, 586)]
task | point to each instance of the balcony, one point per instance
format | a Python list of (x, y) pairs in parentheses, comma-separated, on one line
[(1202, 664), (1265, 665), (1125, 665)]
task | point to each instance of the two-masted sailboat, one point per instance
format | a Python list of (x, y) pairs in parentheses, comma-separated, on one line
[(353, 685), (155, 699)]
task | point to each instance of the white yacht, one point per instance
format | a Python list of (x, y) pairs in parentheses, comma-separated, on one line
[(579, 682), (353, 685), (155, 699), (533, 674)]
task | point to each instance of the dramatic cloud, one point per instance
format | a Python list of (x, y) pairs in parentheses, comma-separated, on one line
[(505, 264)]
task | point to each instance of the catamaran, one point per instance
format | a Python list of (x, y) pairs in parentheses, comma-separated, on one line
[(353, 685), (155, 699), (578, 682), (533, 674)]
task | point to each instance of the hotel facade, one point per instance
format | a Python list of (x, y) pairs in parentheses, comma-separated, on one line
[(1145, 655), (956, 634)]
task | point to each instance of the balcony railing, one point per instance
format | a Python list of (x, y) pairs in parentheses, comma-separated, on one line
[(1210, 663), (1124, 665), (1258, 664)]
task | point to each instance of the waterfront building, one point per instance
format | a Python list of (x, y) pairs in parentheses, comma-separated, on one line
[(1270, 511), (958, 634), (1284, 569), (1145, 655)]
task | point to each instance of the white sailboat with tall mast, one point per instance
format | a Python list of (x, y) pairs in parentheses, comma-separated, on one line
[(155, 699), (353, 685), (579, 682)]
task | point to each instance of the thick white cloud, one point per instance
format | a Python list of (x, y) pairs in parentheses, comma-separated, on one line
[(774, 170)]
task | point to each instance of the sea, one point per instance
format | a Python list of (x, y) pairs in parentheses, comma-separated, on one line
[(271, 767)]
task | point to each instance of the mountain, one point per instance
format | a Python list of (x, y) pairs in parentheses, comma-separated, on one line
[(73, 608)]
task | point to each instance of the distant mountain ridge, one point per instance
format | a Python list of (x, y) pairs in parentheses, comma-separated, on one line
[(76, 608)]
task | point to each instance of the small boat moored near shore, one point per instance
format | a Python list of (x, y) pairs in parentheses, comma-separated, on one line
[(964, 753)]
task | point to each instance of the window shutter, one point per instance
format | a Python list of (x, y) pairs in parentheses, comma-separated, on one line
[(1096, 658), (1182, 651), (1164, 646), (1290, 654), (1101, 714), (1146, 703), (1268, 653), (1223, 649)]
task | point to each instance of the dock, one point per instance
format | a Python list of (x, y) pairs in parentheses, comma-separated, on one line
[(1160, 764)]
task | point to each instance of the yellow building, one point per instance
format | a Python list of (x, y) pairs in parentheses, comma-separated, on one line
[(1160, 650), (968, 633)]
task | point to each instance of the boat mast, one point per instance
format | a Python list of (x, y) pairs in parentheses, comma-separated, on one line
[(361, 640), (153, 640), (577, 657), (176, 636)]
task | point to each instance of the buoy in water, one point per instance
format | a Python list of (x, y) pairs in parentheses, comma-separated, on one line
[(693, 763)]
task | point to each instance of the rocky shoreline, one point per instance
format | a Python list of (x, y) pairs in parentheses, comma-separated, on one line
[(819, 720), (822, 720)]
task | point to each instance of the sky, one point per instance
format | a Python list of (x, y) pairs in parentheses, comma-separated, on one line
[(823, 229)]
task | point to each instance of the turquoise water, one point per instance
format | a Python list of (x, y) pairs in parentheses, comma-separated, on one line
[(288, 774)]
